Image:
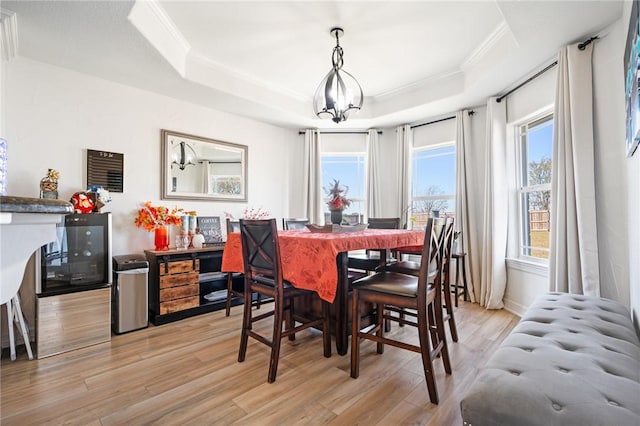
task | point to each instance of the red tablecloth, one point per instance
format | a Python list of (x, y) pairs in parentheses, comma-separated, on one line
[(309, 259)]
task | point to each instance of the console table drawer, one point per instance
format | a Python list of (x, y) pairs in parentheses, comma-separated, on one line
[(175, 280), (180, 292), (179, 304), (179, 266)]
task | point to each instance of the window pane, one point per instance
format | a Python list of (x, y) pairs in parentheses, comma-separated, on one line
[(350, 171), (434, 180), (537, 149), (536, 225)]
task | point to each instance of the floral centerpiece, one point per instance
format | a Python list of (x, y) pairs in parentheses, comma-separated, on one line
[(157, 219), (336, 194), (337, 200)]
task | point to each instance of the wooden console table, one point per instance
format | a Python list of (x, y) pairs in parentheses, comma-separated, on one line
[(186, 282)]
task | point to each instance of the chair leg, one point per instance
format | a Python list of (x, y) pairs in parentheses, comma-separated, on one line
[(379, 323), (355, 338), (427, 363), (433, 330), (246, 326), (289, 319), (326, 332), (441, 336), (23, 327), (449, 309), (229, 292), (12, 340), (276, 340)]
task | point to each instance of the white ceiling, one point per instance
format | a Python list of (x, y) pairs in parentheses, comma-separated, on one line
[(264, 59)]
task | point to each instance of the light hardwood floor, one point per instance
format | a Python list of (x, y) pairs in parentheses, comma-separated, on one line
[(187, 372)]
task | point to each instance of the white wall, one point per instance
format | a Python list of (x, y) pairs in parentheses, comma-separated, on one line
[(54, 115)]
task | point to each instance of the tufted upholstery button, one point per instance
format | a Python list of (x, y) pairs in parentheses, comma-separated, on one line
[(563, 370), (514, 372), (615, 404), (556, 406)]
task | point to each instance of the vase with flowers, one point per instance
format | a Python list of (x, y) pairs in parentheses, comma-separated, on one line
[(337, 200), (158, 219)]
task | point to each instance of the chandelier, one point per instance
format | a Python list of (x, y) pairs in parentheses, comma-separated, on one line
[(183, 155), (339, 92)]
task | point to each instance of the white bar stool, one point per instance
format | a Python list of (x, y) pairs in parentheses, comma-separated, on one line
[(14, 315), (25, 225)]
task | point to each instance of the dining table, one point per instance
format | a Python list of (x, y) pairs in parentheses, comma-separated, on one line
[(318, 261)]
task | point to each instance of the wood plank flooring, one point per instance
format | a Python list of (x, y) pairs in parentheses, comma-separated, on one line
[(187, 373)]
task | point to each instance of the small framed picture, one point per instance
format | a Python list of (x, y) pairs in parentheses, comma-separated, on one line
[(210, 228)]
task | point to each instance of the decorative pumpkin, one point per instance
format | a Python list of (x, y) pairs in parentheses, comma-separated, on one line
[(82, 203)]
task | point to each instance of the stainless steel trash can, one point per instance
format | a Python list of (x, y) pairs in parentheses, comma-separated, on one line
[(130, 310)]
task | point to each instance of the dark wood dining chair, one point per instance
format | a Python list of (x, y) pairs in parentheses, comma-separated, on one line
[(263, 275), (370, 260), (413, 268), (234, 226), (292, 223), (416, 298)]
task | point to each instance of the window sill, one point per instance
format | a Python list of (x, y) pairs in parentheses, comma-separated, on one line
[(541, 269)]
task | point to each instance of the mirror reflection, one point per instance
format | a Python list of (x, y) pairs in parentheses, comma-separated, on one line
[(200, 168)]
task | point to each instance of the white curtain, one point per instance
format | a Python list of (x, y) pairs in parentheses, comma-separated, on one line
[(206, 177), (573, 265), (466, 200), (313, 177), (404, 142), (493, 270), (374, 197)]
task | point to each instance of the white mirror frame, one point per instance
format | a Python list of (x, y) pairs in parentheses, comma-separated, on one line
[(200, 183)]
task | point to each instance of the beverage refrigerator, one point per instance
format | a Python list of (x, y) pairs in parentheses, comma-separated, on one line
[(73, 280)]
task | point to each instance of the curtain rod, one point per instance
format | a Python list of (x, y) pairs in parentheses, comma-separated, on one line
[(339, 133), (530, 79), (581, 46), (433, 122)]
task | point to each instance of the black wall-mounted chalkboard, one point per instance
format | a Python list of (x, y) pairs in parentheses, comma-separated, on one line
[(105, 169)]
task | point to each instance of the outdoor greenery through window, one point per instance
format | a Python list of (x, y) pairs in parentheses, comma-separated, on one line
[(433, 183), (534, 183), (350, 170)]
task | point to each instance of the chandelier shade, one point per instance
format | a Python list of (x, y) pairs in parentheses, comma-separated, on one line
[(183, 155), (339, 92)]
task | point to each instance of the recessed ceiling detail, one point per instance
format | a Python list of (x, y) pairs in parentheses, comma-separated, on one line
[(414, 59)]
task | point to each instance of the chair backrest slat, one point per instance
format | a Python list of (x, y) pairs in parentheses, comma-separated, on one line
[(384, 223), (233, 226), (260, 250), (292, 223), (432, 252)]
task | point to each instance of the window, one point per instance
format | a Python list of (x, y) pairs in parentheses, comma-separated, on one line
[(535, 148), (350, 170), (433, 182)]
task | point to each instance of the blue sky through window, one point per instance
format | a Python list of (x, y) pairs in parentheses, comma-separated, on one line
[(350, 171), (540, 142), (434, 168)]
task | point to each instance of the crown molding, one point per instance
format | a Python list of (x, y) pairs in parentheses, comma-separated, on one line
[(487, 45), (152, 21), (416, 85), (227, 73), (9, 28)]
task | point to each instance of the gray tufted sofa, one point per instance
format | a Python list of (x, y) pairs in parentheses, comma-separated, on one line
[(571, 360)]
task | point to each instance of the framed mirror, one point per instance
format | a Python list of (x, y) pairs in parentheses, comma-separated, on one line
[(194, 167)]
